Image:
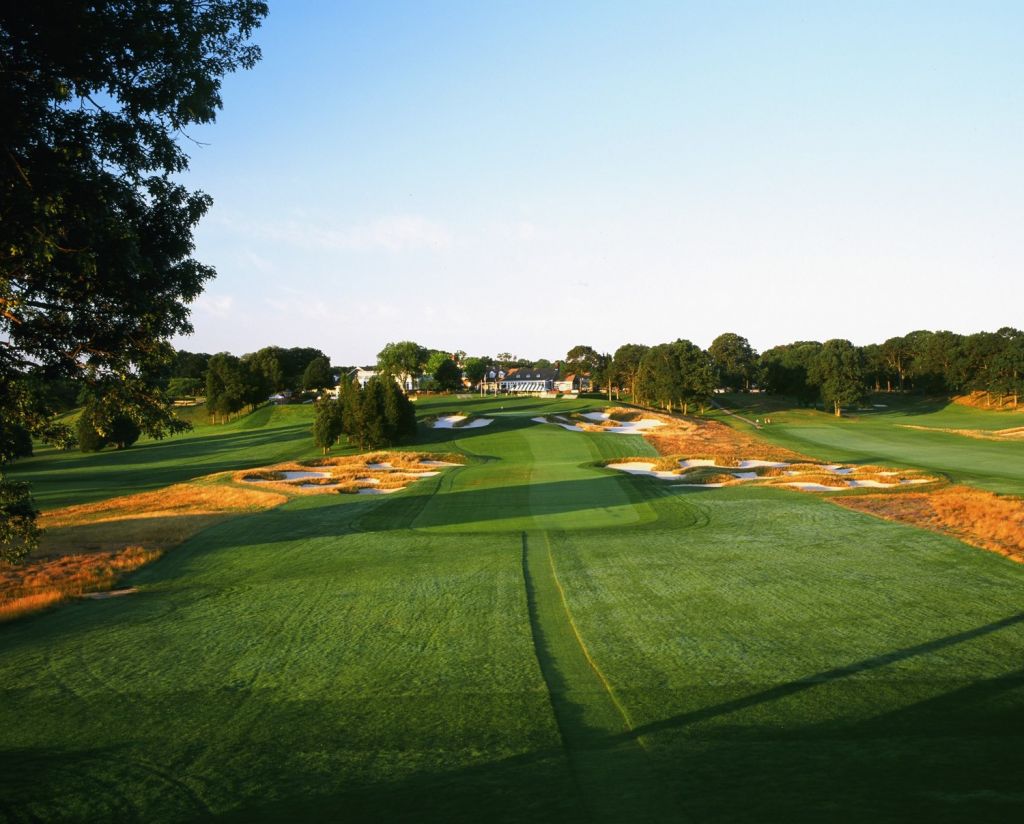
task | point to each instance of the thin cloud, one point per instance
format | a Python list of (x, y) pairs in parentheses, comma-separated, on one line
[(217, 306), (395, 233)]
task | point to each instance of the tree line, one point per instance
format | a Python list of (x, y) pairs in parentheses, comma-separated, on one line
[(680, 375)]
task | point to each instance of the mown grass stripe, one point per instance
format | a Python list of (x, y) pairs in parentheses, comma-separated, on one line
[(615, 780)]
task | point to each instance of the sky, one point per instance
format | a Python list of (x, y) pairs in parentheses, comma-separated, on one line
[(525, 177)]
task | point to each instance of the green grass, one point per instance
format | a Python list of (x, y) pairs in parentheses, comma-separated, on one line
[(269, 435), (529, 637), (881, 436)]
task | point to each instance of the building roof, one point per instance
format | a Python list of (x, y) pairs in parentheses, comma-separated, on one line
[(528, 373)]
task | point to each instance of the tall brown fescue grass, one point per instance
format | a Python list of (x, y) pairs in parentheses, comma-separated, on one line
[(982, 519), (714, 440), (38, 584), (86, 548)]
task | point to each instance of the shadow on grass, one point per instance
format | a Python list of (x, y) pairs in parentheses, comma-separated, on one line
[(260, 755)]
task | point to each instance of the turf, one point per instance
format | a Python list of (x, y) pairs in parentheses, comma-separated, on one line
[(269, 435), (529, 637), (882, 436)]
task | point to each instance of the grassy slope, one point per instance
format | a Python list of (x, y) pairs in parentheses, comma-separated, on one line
[(741, 655), (269, 435), (878, 437)]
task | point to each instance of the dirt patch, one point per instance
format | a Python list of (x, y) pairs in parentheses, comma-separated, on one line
[(982, 519)]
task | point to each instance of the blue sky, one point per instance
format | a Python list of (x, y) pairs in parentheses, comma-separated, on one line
[(525, 177)]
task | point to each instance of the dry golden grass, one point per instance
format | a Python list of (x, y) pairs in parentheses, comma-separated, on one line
[(151, 520), (982, 519), (40, 583), (983, 400), (713, 440), (180, 499), (86, 548)]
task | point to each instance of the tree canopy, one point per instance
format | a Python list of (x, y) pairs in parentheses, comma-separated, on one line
[(403, 360), (734, 360), (838, 369), (96, 266)]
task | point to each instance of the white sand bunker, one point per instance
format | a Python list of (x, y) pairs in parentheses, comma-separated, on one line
[(647, 468), (642, 468), (371, 491), (438, 463), (448, 421), (561, 422), (454, 421), (620, 428), (289, 475)]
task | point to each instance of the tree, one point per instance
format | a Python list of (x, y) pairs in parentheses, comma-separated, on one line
[(226, 386), (317, 375), (371, 431), (447, 376), (838, 371), (898, 356), (94, 431), (784, 370), (328, 423), (734, 359), (184, 387), (626, 364), (15, 440), (403, 360), (677, 374), (96, 266), (267, 362), (88, 437), (399, 414), (475, 369)]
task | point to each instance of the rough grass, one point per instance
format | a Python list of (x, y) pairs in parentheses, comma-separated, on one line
[(714, 440), (86, 548), (38, 584), (982, 519)]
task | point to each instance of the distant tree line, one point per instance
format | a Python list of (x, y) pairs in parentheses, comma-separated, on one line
[(681, 376), (373, 416)]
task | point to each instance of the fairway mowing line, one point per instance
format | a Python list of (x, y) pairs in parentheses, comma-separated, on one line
[(583, 647), (608, 759)]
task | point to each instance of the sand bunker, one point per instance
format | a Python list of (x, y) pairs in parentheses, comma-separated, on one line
[(383, 472), (691, 467), (641, 468), (372, 491), (454, 421), (288, 475), (620, 428), (570, 426), (448, 421)]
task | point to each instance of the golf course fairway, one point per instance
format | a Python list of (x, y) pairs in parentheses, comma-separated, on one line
[(526, 637)]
